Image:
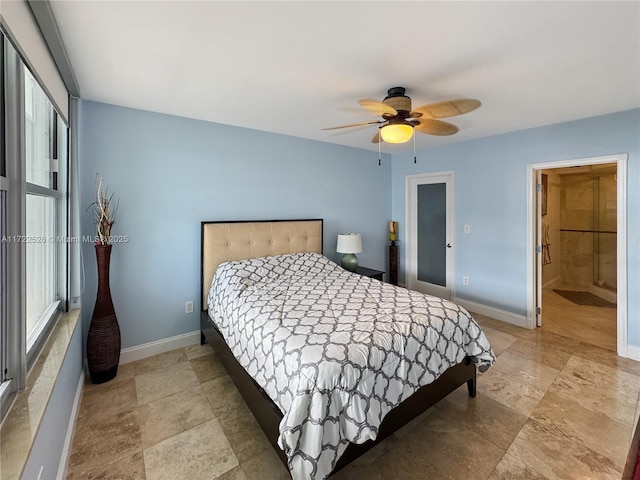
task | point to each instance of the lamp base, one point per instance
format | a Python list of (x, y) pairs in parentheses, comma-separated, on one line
[(349, 262)]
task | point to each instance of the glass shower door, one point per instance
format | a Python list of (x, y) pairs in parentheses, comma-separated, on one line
[(605, 235)]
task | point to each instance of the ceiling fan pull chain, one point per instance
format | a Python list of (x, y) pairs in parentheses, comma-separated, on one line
[(414, 149), (379, 156)]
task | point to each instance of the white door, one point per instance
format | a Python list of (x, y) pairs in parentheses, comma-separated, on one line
[(429, 262)]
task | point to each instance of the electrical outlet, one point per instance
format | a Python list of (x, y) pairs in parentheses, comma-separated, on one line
[(465, 280), (188, 306)]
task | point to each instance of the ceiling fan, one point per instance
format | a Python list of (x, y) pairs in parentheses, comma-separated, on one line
[(399, 120)]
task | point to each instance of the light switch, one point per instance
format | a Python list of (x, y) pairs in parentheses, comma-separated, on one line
[(467, 229)]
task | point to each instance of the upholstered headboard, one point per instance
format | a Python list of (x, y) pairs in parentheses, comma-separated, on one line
[(225, 241)]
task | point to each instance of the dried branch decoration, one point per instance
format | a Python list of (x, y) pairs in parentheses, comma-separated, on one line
[(103, 217)]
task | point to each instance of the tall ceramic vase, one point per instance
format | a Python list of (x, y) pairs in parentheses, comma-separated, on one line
[(103, 341)]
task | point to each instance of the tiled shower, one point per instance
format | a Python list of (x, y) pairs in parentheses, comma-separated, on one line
[(587, 230)]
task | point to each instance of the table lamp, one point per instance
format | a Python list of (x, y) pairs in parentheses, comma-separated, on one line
[(349, 244)]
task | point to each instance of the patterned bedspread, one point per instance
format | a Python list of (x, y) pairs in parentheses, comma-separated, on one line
[(335, 350)]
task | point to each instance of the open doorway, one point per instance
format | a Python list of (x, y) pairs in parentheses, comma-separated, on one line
[(579, 251), (576, 224)]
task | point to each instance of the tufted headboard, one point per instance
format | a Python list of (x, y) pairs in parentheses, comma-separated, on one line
[(225, 241)]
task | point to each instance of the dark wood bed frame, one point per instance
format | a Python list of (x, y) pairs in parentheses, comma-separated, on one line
[(269, 416)]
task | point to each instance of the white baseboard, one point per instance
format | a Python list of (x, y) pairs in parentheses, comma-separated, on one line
[(131, 354), (629, 351), (502, 315), (71, 428)]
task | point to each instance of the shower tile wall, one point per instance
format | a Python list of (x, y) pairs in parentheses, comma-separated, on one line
[(607, 258), (577, 195)]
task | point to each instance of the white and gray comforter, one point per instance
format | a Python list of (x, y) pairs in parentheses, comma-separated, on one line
[(335, 351)]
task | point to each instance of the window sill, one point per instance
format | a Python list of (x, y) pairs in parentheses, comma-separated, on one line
[(21, 423)]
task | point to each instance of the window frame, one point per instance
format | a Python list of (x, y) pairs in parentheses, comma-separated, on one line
[(4, 185), (58, 171), (18, 352)]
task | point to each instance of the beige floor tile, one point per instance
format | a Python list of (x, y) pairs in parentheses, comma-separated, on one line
[(195, 351), (540, 352), (524, 369), (103, 440), (125, 372), (174, 414), (607, 357), (583, 399), (199, 453), (237, 421), (510, 468), (593, 334), (160, 362), (550, 339), (571, 420), (560, 457), (401, 461), (492, 420), (265, 466), (499, 341), (594, 325), (207, 367), (158, 384), (404, 430), (599, 388), (129, 467), (505, 327), (234, 474), (390, 443), (458, 451), (243, 432), (517, 382), (114, 398), (510, 391), (222, 394)]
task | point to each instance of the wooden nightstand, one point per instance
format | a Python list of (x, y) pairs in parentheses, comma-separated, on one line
[(370, 272)]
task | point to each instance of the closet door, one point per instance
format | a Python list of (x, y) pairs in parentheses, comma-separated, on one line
[(430, 233)]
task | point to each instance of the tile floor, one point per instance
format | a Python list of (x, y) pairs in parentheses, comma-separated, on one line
[(552, 407), (596, 326)]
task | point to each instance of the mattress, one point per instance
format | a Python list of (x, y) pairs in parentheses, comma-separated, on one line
[(334, 350)]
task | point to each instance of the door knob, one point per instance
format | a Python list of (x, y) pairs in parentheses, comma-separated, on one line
[(448, 245)]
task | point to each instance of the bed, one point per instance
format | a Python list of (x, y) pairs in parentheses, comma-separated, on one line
[(329, 362)]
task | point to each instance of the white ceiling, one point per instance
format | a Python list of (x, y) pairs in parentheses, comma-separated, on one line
[(297, 67)]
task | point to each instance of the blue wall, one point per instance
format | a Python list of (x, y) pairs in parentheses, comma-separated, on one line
[(170, 173), (490, 195)]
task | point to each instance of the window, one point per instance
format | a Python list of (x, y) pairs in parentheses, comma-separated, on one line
[(33, 219), (45, 209)]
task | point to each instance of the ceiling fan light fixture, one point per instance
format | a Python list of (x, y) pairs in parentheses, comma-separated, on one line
[(396, 133)]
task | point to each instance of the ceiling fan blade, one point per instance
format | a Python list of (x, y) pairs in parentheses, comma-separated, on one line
[(449, 108), (376, 138), (359, 124), (435, 127), (377, 107)]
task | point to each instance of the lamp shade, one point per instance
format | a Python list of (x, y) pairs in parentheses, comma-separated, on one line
[(349, 243), (396, 133)]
